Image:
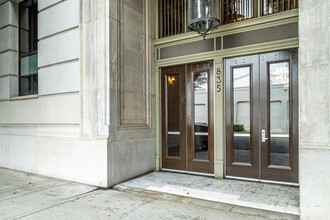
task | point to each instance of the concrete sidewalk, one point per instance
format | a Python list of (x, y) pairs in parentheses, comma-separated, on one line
[(25, 196)]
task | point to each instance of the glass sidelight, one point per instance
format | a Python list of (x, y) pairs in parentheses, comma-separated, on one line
[(262, 116)]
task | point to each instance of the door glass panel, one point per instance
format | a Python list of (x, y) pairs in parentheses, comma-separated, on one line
[(241, 95), (279, 82), (173, 115), (201, 115)]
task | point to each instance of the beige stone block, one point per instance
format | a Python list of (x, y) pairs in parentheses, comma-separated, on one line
[(64, 158), (135, 24), (59, 48), (60, 78), (314, 183), (314, 104), (313, 32), (133, 107), (8, 87), (9, 63), (52, 20), (8, 14), (47, 3), (134, 60), (55, 109), (4, 88), (133, 40), (9, 38)]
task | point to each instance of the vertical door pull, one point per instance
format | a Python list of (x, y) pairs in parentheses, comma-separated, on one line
[(263, 136)]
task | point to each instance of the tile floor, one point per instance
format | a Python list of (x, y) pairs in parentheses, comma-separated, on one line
[(284, 199)]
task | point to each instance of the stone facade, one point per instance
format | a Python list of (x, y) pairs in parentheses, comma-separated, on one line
[(93, 118), (314, 100)]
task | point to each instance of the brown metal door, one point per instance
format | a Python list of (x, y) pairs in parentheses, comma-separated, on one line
[(279, 116), (173, 118), (187, 117), (242, 116), (262, 116)]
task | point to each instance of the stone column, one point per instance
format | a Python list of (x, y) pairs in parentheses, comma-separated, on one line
[(314, 100), (131, 143), (8, 50)]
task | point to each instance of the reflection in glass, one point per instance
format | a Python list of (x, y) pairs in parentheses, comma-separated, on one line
[(29, 85), (173, 115), (29, 65), (279, 113), (241, 95), (237, 10), (275, 6), (201, 115)]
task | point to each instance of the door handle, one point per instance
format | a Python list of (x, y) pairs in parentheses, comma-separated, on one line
[(263, 136)]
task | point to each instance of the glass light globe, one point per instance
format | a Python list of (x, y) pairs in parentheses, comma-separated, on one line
[(203, 16)]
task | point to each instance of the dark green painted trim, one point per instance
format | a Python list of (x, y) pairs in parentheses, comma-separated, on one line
[(264, 35), (187, 48), (218, 43)]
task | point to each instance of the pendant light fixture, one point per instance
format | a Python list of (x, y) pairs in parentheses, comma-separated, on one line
[(203, 16)]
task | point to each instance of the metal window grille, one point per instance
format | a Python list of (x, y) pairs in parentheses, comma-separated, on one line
[(276, 6), (237, 10), (172, 17), (172, 13)]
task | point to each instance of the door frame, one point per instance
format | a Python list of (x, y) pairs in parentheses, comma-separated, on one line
[(291, 174), (194, 166)]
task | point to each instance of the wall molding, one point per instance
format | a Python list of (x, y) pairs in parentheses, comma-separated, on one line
[(144, 120), (95, 69)]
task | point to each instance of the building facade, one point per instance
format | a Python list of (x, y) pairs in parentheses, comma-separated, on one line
[(99, 91)]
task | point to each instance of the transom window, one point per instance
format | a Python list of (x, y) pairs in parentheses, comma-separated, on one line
[(172, 17), (172, 13), (238, 10), (275, 6), (28, 47)]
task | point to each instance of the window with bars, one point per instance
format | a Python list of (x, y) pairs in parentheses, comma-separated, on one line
[(28, 47), (275, 6), (237, 10), (172, 13), (172, 17)]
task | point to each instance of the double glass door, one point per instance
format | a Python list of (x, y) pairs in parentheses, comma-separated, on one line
[(262, 116), (187, 118)]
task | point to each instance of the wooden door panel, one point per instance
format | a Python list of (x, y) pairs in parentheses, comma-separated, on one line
[(200, 119), (173, 118), (242, 89), (279, 116)]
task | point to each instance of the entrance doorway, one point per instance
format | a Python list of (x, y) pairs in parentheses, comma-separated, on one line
[(187, 117), (262, 116)]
